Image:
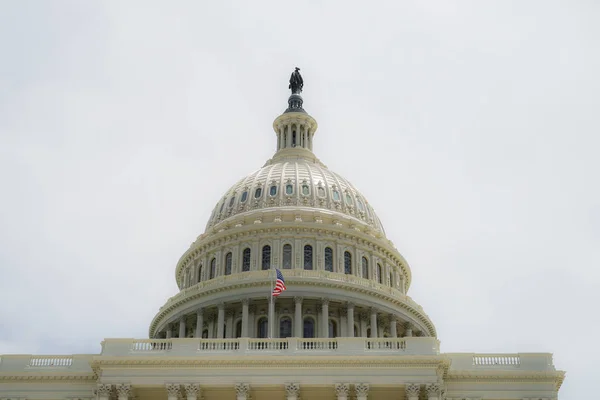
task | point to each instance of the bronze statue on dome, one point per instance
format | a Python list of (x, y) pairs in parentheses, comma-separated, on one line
[(296, 82)]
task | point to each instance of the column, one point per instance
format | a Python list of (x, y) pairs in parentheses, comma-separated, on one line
[(412, 391), (182, 327), (220, 320), (229, 326), (123, 391), (350, 330), (361, 389), (298, 322), (393, 328), (271, 316), (363, 324), (169, 331), (172, 391), (192, 391), (325, 318), (242, 391), (292, 390), (251, 324), (342, 390), (211, 326), (433, 391), (103, 391), (199, 322), (373, 323), (343, 325), (408, 329), (245, 306)]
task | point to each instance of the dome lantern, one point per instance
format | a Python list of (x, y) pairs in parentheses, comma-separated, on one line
[(295, 128)]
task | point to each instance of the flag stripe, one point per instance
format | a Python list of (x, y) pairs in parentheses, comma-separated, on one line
[(279, 284)]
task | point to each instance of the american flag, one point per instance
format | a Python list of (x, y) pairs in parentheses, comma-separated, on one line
[(279, 284)]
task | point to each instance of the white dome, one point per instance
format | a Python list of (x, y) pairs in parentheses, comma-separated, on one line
[(291, 182)]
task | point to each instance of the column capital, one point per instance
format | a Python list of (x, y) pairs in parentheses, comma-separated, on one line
[(123, 390), (342, 390), (292, 389), (362, 390), (221, 306), (412, 390), (325, 301), (200, 311), (433, 390), (104, 389), (372, 310), (242, 390), (298, 299), (350, 305), (393, 319), (172, 390), (192, 390), (246, 301)]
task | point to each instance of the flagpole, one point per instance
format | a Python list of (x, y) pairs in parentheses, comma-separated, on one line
[(271, 308)]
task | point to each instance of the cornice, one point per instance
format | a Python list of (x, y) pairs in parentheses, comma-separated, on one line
[(299, 362), (556, 377), (38, 377)]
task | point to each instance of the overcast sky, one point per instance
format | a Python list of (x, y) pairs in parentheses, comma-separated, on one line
[(471, 127)]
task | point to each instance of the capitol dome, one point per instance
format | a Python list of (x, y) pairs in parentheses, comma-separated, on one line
[(344, 278), (290, 181)]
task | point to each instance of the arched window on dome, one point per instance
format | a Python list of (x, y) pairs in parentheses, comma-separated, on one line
[(228, 259), (287, 256), (262, 328), (305, 190), (309, 328), (266, 257), (246, 259), (347, 263), (308, 257), (321, 191), (379, 274), (348, 199), (289, 189), (222, 205), (213, 268), (200, 273), (258, 193), (361, 206), (231, 201), (244, 196), (391, 280), (273, 190), (285, 327), (332, 329), (365, 268), (328, 259), (336, 195)]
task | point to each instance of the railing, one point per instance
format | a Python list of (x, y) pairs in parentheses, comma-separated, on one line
[(267, 344), (151, 345), (385, 344), (317, 344), (492, 360), (219, 345), (50, 361), (291, 346)]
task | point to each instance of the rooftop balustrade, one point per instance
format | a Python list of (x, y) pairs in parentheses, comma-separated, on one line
[(289, 347)]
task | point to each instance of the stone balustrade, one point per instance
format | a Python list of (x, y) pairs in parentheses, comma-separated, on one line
[(525, 361), (252, 346), (173, 348)]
